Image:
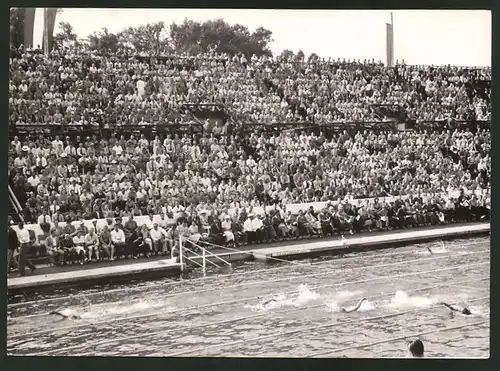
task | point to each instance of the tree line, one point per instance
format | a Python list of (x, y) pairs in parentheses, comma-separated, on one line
[(189, 37)]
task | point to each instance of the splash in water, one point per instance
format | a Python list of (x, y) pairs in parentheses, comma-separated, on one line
[(111, 310), (304, 295), (432, 250), (340, 297), (366, 306), (401, 300), (345, 294)]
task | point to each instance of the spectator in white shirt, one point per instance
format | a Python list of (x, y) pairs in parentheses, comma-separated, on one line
[(194, 232), (150, 222), (23, 235), (253, 228), (158, 236), (44, 221), (79, 246), (34, 180), (227, 229), (118, 242)]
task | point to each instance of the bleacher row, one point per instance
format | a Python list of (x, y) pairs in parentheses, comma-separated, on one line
[(91, 89)]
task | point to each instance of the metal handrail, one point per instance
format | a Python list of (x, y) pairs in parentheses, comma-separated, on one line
[(212, 254), (199, 256)]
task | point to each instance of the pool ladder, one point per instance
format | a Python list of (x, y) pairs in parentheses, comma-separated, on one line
[(205, 256)]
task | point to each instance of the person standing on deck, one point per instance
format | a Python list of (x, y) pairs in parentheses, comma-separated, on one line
[(13, 246), (24, 240)]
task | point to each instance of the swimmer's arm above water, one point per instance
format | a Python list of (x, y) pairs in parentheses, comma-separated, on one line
[(269, 301), (64, 316), (56, 313), (353, 309), (465, 311), (450, 307)]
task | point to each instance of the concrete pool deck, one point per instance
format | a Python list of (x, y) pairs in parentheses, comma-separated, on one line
[(127, 270)]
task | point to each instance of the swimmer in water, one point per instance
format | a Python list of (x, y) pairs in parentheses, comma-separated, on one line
[(464, 311), (353, 309), (267, 302), (416, 349), (64, 316), (429, 249)]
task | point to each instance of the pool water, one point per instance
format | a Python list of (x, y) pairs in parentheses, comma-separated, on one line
[(223, 314)]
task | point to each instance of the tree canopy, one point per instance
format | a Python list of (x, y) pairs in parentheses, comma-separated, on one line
[(17, 26), (189, 37), (66, 37)]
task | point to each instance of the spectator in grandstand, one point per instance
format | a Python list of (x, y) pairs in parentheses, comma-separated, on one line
[(158, 237), (13, 245), (118, 243), (54, 251), (131, 229), (78, 249), (227, 230), (24, 239), (92, 244), (88, 178), (172, 238), (106, 242), (143, 243), (194, 231)]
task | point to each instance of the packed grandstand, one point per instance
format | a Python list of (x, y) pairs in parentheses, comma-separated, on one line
[(240, 150)]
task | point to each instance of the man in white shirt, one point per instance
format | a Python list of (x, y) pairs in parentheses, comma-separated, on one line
[(34, 180), (252, 228), (44, 221), (118, 242), (23, 235), (158, 236)]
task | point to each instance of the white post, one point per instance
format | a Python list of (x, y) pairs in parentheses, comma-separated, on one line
[(204, 262), (181, 261)]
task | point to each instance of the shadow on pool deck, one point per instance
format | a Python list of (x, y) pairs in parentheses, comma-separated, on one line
[(45, 269)]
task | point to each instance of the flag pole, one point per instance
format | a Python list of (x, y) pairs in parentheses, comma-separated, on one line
[(392, 27), (45, 33)]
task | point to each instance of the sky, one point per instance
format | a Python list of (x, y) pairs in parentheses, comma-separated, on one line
[(421, 37)]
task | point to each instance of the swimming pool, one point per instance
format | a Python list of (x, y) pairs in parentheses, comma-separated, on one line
[(222, 314)]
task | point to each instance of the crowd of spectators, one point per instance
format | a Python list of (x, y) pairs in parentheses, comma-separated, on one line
[(124, 238), (217, 180), (83, 88), (93, 178)]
